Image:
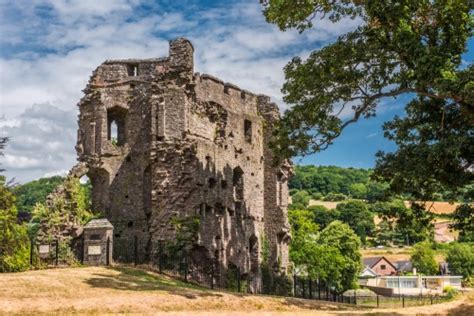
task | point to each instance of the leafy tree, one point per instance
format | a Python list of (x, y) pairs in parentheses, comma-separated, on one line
[(376, 191), (331, 256), (35, 191), (14, 241), (69, 205), (358, 217), (358, 190), (435, 150), (301, 198), (3, 143), (460, 258), (323, 216), (341, 237), (304, 232), (387, 234), (335, 197), (412, 224), (463, 221), (404, 47), (423, 259)]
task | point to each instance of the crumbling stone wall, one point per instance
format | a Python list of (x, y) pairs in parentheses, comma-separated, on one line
[(186, 144)]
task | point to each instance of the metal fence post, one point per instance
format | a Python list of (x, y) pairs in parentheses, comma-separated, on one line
[(310, 289), (403, 300), (135, 251), (212, 278), (160, 258), (238, 280), (57, 251), (431, 299), (294, 285), (31, 252), (355, 297), (107, 259), (319, 289), (185, 267), (304, 288)]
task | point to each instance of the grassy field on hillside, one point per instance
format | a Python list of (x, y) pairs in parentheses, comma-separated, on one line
[(97, 290)]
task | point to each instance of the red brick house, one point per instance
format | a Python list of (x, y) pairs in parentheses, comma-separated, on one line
[(380, 265)]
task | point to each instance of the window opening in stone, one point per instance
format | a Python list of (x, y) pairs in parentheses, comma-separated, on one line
[(212, 183), (116, 126), (224, 184), (248, 130), (220, 209), (132, 70), (113, 132), (238, 183), (231, 212), (130, 224)]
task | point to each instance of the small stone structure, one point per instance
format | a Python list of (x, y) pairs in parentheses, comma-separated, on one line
[(161, 142), (98, 242)]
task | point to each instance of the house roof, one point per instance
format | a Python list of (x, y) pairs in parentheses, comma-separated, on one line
[(368, 272), (372, 261), (99, 223), (404, 265)]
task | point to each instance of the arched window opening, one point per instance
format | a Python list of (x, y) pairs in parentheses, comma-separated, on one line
[(116, 133), (113, 132)]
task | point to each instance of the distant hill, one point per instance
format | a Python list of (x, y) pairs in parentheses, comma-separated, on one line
[(321, 181), (30, 193)]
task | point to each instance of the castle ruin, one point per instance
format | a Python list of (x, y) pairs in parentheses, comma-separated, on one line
[(160, 142)]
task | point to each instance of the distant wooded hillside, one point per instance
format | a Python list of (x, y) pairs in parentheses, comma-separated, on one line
[(336, 183)]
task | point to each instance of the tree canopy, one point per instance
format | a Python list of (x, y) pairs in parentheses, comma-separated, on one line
[(423, 258), (34, 192), (399, 48)]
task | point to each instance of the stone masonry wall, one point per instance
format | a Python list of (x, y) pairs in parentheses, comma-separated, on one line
[(185, 145)]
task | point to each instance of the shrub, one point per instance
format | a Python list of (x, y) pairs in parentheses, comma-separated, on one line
[(449, 291)]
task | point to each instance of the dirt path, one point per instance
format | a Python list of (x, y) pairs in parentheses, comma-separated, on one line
[(96, 290)]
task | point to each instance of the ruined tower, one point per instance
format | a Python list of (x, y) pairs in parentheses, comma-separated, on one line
[(161, 143)]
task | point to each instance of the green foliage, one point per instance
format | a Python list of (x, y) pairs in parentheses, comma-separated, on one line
[(460, 258), (14, 241), (463, 221), (335, 197), (358, 190), (187, 230), (423, 259), (70, 205), (335, 261), (34, 192), (346, 259), (358, 217), (435, 150), (411, 48), (327, 179), (301, 198), (450, 291), (411, 224), (322, 216)]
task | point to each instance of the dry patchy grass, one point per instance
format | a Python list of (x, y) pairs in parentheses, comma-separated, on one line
[(99, 290)]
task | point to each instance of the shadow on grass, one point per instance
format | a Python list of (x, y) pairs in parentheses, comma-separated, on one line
[(131, 279)]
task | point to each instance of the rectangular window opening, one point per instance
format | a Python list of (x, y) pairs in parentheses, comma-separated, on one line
[(248, 131)]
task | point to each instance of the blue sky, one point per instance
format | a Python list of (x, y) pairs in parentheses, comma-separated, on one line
[(48, 49)]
